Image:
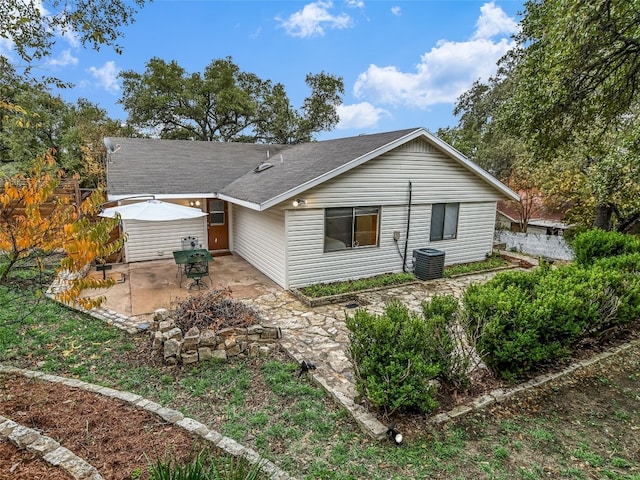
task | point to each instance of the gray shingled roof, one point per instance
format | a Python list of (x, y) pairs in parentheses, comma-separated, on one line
[(178, 167), (182, 167)]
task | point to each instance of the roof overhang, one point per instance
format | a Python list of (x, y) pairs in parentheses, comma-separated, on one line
[(161, 196), (421, 132)]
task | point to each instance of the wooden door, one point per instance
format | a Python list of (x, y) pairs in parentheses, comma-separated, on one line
[(218, 224)]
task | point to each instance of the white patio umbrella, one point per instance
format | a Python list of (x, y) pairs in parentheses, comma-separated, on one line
[(153, 211)]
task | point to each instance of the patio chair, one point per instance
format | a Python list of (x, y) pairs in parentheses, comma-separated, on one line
[(197, 271), (188, 243)]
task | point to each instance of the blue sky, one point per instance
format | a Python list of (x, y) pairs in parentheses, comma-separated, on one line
[(404, 63)]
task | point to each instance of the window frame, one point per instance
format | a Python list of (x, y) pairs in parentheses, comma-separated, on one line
[(213, 212), (438, 234), (364, 211)]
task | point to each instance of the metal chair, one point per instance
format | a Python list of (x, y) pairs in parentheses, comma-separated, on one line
[(188, 243), (197, 271)]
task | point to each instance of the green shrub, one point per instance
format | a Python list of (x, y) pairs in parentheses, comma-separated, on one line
[(394, 358), (524, 321), (452, 349), (627, 288), (594, 244), (626, 263)]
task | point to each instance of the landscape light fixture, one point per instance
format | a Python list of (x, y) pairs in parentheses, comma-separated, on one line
[(299, 201), (305, 366), (394, 434)]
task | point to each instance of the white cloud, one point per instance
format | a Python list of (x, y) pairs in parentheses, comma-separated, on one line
[(493, 21), (63, 60), (355, 3), (70, 36), (396, 11), (446, 71), (107, 76), (359, 115), (6, 47), (313, 19)]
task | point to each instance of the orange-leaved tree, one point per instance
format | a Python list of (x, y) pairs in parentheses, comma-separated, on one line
[(37, 225)]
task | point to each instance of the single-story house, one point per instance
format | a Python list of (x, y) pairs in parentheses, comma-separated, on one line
[(315, 212)]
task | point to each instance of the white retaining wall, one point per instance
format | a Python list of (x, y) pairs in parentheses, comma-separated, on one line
[(536, 244)]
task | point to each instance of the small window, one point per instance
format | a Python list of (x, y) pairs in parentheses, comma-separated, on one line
[(347, 228), (216, 212), (444, 221)]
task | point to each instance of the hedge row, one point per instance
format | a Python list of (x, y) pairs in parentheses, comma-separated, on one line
[(525, 320), (518, 321)]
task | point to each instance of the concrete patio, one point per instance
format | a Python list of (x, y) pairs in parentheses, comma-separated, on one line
[(144, 287)]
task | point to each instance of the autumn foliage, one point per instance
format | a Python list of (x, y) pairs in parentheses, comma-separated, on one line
[(36, 223)]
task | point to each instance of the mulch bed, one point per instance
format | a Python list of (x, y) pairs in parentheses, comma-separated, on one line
[(116, 438), (16, 464)]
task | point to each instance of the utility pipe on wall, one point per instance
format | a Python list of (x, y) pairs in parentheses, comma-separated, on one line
[(406, 239)]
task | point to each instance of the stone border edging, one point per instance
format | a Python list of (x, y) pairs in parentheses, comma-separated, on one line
[(48, 449), (174, 417), (500, 394), (369, 423), (313, 302), (343, 297)]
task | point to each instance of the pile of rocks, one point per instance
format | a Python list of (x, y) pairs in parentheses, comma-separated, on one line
[(197, 345)]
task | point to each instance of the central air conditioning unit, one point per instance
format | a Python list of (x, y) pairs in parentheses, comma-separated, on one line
[(428, 263)]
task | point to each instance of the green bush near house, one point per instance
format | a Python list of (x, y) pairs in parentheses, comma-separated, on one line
[(527, 319), (397, 354), (595, 244)]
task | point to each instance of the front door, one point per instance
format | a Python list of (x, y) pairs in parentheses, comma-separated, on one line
[(218, 229)]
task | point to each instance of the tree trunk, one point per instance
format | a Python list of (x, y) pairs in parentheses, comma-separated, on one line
[(603, 217)]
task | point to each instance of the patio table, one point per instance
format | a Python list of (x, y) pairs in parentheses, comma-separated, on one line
[(185, 259)]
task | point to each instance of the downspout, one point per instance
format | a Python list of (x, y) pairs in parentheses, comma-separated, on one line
[(406, 240)]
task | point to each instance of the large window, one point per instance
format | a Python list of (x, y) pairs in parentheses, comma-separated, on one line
[(346, 228), (444, 221)]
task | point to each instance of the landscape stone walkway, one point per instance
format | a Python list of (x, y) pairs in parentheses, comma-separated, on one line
[(319, 334)]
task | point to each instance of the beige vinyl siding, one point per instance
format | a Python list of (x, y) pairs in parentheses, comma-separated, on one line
[(308, 263), (384, 182), (259, 237), (476, 224), (436, 178), (157, 240)]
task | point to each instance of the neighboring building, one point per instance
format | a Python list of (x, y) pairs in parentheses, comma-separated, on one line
[(315, 212), (544, 221)]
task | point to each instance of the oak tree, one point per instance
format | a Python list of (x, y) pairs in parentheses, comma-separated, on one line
[(33, 26), (226, 104)]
